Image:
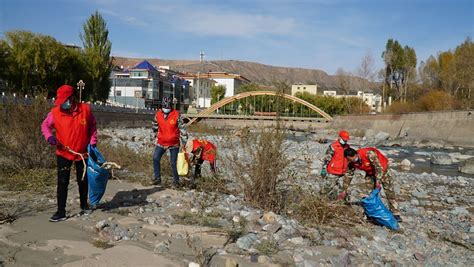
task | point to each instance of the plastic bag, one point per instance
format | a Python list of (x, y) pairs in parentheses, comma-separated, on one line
[(376, 210), (96, 175), (182, 164)]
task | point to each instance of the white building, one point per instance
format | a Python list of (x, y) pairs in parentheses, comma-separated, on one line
[(201, 98), (301, 88), (230, 81)]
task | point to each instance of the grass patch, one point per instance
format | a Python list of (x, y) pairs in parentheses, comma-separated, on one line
[(188, 218), (101, 244), (202, 128), (236, 231), (40, 181), (313, 210), (136, 167), (268, 247), (213, 183)]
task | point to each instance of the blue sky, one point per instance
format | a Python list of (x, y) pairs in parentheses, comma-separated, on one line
[(321, 34)]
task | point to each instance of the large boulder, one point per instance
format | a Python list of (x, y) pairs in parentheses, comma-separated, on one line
[(440, 158), (467, 166)]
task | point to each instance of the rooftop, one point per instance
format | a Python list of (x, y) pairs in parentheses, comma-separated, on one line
[(144, 65)]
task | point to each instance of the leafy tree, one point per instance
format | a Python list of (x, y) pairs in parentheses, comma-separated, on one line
[(217, 93), (248, 87), (464, 69), (400, 68), (37, 63), (97, 47)]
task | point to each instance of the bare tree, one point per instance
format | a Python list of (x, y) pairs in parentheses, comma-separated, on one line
[(344, 80), (366, 69)]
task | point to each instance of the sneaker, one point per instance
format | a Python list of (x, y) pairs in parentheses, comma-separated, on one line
[(398, 218), (85, 212), (57, 217), (156, 182)]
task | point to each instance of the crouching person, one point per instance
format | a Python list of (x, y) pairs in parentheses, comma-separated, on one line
[(75, 128), (375, 165), (200, 151), (170, 135)]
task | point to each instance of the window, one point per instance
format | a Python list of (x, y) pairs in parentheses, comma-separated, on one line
[(298, 88), (304, 88), (118, 93)]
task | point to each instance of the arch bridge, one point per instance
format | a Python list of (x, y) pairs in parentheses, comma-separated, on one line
[(264, 105)]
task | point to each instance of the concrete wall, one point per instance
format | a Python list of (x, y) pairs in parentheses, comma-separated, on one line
[(454, 127), (126, 120)]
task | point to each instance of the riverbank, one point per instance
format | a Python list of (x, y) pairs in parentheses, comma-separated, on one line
[(141, 225)]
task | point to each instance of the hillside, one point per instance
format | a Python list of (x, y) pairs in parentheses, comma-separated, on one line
[(256, 72)]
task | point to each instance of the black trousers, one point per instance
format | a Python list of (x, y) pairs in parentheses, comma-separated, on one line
[(197, 169), (64, 173)]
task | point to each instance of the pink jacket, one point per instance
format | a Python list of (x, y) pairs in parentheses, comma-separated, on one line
[(48, 125)]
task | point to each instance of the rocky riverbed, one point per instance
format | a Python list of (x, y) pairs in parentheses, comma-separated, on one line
[(140, 225)]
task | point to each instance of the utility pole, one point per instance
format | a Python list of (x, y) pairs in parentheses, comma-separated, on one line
[(201, 58)]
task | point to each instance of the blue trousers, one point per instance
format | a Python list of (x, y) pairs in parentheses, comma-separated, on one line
[(159, 151)]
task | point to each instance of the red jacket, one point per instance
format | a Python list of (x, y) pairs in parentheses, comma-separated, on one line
[(209, 150), (168, 130), (338, 163), (72, 131), (365, 164)]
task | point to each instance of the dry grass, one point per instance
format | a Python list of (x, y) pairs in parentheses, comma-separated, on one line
[(101, 244), (262, 168), (22, 145), (213, 183), (268, 247), (313, 210), (40, 181), (136, 167), (202, 128)]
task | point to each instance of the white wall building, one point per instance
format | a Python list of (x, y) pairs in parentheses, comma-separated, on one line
[(301, 88), (201, 98), (231, 81)]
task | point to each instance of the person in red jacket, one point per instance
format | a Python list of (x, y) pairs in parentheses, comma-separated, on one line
[(375, 165), (201, 150), (170, 135), (75, 128), (334, 165)]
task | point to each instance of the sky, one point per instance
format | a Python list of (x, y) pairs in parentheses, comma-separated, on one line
[(317, 34)]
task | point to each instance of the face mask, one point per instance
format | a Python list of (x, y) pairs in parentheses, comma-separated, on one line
[(166, 110), (342, 141), (66, 105)]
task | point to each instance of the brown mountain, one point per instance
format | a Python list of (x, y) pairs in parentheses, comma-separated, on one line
[(258, 73)]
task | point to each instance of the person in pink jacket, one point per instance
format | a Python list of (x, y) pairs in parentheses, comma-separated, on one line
[(74, 128)]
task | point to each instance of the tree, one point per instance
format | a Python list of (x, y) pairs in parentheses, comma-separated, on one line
[(97, 47), (344, 80), (366, 69), (248, 87), (400, 68), (464, 70), (217, 93), (36, 63)]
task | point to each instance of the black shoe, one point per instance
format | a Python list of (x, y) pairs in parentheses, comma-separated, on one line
[(57, 217), (175, 186), (398, 218), (156, 182)]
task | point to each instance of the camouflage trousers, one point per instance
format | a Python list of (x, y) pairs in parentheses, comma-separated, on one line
[(387, 184), (332, 185)]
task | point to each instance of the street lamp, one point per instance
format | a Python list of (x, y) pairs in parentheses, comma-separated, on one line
[(80, 87)]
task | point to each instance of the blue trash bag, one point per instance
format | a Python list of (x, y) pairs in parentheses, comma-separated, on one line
[(96, 175), (376, 210)]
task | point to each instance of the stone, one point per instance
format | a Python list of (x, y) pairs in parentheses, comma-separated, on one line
[(467, 166), (193, 264), (459, 211), (440, 158), (419, 193), (269, 217), (297, 240), (162, 247), (419, 257), (245, 242), (450, 200), (272, 228), (101, 224), (381, 136), (405, 164), (420, 160)]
